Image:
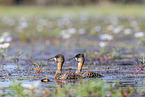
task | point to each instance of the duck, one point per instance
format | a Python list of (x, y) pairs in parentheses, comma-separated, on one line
[(81, 59), (59, 74)]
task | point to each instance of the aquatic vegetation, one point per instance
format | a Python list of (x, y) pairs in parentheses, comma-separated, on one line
[(5, 40), (19, 89), (16, 89), (142, 61), (97, 88), (104, 56), (89, 89), (39, 66), (115, 53), (17, 59), (81, 88)]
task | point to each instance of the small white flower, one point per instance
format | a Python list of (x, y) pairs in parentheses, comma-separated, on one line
[(32, 85), (8, 39), (127, 31), (133, 24), (5, 45), (2, 40), (102, 44), (71, 30), (117, 29), (139, 34), (65, 34), (82, 31), (98, 28), (110, 27), (23, 24), (106, 37), (65, 21)]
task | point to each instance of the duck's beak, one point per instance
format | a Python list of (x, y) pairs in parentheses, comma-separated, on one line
[(52, 59), (74, 59)]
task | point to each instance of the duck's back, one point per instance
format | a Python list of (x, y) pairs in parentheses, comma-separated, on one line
[(90, 75), (66, 75)]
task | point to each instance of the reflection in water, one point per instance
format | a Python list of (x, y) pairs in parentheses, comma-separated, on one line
[(62, 83)]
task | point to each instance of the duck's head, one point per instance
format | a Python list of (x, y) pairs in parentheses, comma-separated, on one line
[(80, 59), (59, 58)]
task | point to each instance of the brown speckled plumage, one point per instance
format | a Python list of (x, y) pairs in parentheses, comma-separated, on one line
[(89, 75), (80, 59), (60, 75), (66, 75)]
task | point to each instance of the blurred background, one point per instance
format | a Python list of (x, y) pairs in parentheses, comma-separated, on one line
[(68, 2), (84, 24)]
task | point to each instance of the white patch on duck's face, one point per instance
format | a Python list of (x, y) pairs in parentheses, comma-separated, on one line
[(54, 59), (76, 59), (80, 60), (59, 60)]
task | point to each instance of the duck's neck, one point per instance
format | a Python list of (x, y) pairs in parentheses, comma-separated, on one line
[(80, 65), (59, 67)]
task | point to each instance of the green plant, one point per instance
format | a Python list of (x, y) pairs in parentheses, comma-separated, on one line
[(90, 88), (115, 53), (17, 58), (3, 56), (16, 90), (39, 66), (142, 61)]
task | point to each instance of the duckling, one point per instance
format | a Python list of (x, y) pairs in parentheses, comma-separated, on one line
[(80, 59), (60, 75)]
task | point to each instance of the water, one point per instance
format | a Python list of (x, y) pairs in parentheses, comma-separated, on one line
[(118, 60), (114, 70)]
